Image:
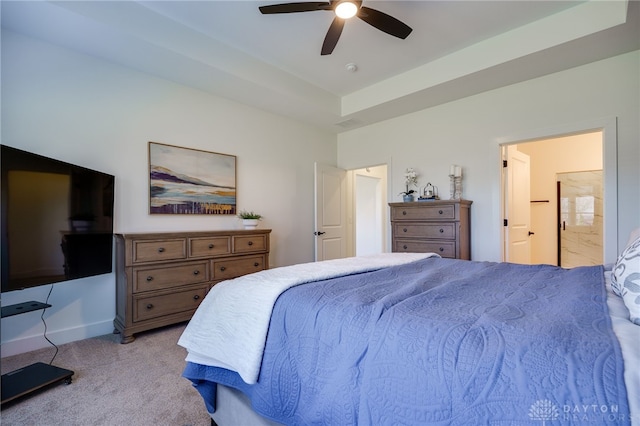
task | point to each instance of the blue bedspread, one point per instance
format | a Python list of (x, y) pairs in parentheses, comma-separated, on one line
[(439, 341)]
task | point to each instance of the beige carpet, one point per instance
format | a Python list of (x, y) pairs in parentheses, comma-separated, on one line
[(139, 383)]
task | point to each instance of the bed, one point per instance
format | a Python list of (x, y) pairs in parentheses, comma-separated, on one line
[(404, 338)]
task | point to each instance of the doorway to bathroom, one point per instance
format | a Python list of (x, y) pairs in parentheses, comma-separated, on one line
[(561, 221)]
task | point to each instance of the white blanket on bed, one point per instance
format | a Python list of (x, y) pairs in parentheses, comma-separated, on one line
[(229, 329)]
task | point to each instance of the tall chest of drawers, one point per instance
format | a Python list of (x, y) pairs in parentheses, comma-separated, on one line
[(440, 226), (161, 278)]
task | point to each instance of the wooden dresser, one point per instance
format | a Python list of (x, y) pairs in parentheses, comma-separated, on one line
[(439, 226), (161, 278)]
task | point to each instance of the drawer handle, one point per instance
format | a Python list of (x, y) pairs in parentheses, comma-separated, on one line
[(210, 246), (196, 272), (250, 243), (223, 268), (404, 229), (150, 306), (441, 249), (440, 212), (404, 213), (404, 246), (161, 250), (441, 230), (149, 278), (196, 297), (256, 264)]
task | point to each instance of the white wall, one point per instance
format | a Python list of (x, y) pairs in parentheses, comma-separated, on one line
[(469, 131), (88, 112)]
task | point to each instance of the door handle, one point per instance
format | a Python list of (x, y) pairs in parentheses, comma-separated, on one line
[(319, 233), (531, 233)]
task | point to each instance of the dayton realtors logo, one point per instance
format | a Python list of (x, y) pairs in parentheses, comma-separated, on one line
[(543, 410)]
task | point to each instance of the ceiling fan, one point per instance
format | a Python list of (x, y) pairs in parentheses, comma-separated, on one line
[(344, 9)]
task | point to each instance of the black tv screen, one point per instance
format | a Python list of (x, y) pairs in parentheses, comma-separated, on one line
[(57, 220)]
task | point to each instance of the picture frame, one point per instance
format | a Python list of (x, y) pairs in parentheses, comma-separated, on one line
[(191, 181)]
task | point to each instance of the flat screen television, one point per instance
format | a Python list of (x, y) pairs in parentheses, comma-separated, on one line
[(57, 220)]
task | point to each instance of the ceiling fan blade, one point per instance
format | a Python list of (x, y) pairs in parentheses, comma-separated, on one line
[(331, 39), (384, 22), (295, 7)]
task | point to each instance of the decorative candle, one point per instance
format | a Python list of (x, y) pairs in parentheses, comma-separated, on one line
[(458, 171), (452, 170)]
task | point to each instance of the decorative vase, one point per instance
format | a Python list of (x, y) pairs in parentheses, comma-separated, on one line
[(250, 223), (407, 198), (457, 195)]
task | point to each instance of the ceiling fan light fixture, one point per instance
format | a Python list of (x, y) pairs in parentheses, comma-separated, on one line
[(343, 9), (346, 10)]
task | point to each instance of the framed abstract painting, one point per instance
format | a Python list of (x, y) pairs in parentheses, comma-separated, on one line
[(191, 181)]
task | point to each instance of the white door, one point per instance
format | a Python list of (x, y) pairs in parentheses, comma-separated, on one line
[(518, 207), (331, 212)]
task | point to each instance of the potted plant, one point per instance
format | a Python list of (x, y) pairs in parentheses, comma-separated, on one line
[(249, 219), (410, 179)]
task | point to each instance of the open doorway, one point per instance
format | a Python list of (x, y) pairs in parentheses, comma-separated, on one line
[(351, 212), (538, 232), (369, 212)]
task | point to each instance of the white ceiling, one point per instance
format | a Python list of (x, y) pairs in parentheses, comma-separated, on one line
[(456, 49)]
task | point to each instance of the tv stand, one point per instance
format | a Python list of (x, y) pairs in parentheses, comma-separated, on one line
[(34, 377)]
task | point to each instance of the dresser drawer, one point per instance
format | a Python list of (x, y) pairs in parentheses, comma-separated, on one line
[(249, 243), (162, 304), (445, 231), (209, 246), (169, 276), (152, 251), (225, 269), (424, 212), (443, 248)]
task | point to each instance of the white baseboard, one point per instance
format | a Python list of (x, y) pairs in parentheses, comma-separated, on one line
[(59, 337)]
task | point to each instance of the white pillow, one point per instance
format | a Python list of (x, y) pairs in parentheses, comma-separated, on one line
[(625, 279), (615, 285)]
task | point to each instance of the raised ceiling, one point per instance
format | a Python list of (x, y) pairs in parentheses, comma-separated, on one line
[(273, 62)]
